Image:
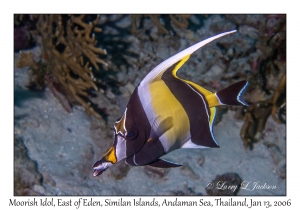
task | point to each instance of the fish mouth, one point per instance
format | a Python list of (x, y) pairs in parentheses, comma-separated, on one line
[(99, 167), (98, 172)]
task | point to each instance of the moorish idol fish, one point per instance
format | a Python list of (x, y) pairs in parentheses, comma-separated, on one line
[(166, 113)]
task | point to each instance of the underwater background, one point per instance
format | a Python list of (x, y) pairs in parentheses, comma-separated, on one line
[(74, 74)]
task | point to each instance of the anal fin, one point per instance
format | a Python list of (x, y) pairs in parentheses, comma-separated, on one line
[(160, 163)]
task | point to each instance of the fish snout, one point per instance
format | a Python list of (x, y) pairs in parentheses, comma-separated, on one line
[(99, 167), (97, 172)]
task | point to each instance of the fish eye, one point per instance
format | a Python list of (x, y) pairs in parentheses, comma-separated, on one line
[(131, 135)]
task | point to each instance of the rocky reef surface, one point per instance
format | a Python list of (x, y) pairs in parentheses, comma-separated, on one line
[(55, 150)]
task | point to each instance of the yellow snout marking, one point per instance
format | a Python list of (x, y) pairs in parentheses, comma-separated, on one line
[(111, 155)]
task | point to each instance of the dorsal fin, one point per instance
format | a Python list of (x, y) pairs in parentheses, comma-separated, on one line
[(162, 67)]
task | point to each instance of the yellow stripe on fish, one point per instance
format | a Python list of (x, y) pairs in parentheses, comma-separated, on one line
[(111, 155), (165, 104), (210, 97)]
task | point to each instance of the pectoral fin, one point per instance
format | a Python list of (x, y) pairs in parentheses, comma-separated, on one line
[(160, 163), (160, 126)]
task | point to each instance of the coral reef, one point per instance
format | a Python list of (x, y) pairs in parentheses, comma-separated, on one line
[(222, 184), (23, 25), (279, 102), (255, 118), (117, 41), (69, 46), (256, 115), (179, 21), (21, 38), (264, 66)]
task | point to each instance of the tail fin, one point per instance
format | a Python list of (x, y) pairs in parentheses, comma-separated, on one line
[(232, 95)]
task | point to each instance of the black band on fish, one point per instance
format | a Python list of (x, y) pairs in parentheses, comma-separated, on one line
[(136, 118), (232, 95), (195, 107)]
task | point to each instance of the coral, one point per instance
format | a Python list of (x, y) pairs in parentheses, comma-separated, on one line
[(256, 115), (69, 46), (263, 64), (26, 59), (37, 72), (179, 21), (23, 24), (263, 58), (225, 184), (255, 118), (122, 52), (50, 82), (21, 38), (279, 101)]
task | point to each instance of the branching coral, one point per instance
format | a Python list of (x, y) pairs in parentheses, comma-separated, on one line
[(179, 21), (69, 46), (279, 101), (264, 60), (264, 65), (255, 119), (256, 115)]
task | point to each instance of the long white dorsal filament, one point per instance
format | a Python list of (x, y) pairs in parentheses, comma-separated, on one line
[(162, 67)]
